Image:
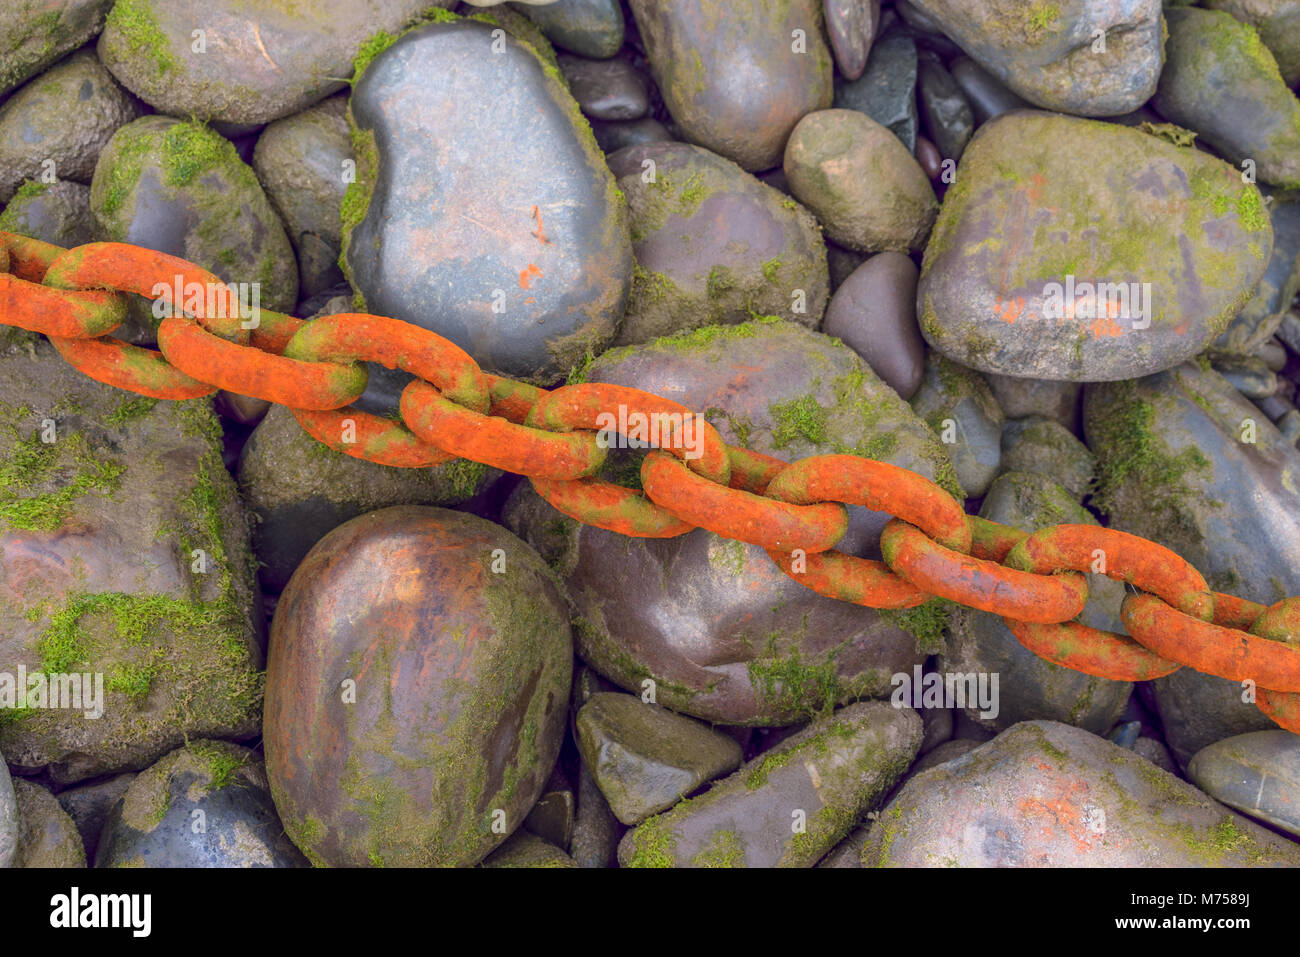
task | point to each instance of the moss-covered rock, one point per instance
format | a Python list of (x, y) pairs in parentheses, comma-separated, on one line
[(181, 188), (1045, 446), (300, 489), (417, 690), (57, 213), (508, 238), (713, 245), (715, 627), (126, 556), (204, 805), (528, 850), (790, 805), (737, 83), (1176, 464), (1047, 51), (302, 163), (1278, 25), (1030, 687), (959, 407), (644, 757), (47, 838), (260, 61), (1260, 318), (1044, 794), (36, 33), (867, 190), (1222, 81), (65, 118), (1120, 256)]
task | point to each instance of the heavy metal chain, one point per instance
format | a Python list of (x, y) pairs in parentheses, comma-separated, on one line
[(795, 511)]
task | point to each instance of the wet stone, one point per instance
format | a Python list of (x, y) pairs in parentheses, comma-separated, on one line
[(606, 89), (959, 407), (590, 28), (697, 49), (521, 254), (596, 831), (46, 836), (57, 213), (613, 137), (645, 758), (832, 771), (465, 719), (987, 96), (851, 26), (1174, 470), (1048, 795), (1247, 375), (260, 62), (220, 784), (886, 90), (868, 191), (1030, 687), (1222, 81), (125, 554), (720, 630), (63, 118), (180, 188), (927, 154), (32, 39), (1278, 25), (300, 489), (8, 816), (1257, 773), (874, 313), (945, 113), (1048, 448), (1048, 54), (523, 849), (1029, 231), (713, 245), (301, 162), (1021, 398), (89, 806)]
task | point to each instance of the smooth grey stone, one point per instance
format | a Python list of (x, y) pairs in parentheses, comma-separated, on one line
[(592, 28), (959, 407), (609, 90), (1289, 426), (851, 26), (886, 89), (612, 137), (596, 831), (874, 313), (1022, 398), (523, 849), (47, 838), (1247, 374), (8, 817), (987, 96), (1257, 773), (945, 113)]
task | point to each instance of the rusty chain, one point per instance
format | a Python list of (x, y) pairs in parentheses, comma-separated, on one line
[(795, 511)]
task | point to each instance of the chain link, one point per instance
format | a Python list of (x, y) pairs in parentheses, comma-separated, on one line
[(795, 511)]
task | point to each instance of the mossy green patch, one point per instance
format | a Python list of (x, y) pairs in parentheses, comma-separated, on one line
[(134, 22), (40, 481)]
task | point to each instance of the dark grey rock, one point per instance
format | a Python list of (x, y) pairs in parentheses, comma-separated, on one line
[(874, 313), (945, 113), (57, 213), (886, 90), (1045, 446), (592, 28), (35, 36), (959, 407), (607, 89)]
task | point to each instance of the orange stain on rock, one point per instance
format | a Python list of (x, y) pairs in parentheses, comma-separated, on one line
[(526, 276), (1105, 326), (540, 231)]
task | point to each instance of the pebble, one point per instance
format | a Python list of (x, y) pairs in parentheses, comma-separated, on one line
[(851, 26), (521, 256), (57, 213), (721, 632), (1047, 52), (874, 313), (945, 112), (31, 39), (596, 831), (1278, 25), (57, 126), (789, 806), (959, 407), (219, 784), (376, 617), (251, 70), (1048, 448), (1174, 470), (612, 137), (645, 758), (1257, 773), (47, 838), (606, 89), (886, 90), (1044, 794), (1021, 398), (1247, 374), (868, 191), (590, 28), (101, 533), (987, 96), (699, 48), (303, 162), (713, 245), (1016, 238)]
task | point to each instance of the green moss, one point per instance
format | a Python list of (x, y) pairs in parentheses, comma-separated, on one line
[(757, 777), (793, 686), (29, 189), (926, 623), (1169, 132), (374, 45), (222, 761), (802, 418), (770, 270), (130, 409), (724, 850), (652, 844), (134, 22), (68, 467), (134, 681), (464, 477)]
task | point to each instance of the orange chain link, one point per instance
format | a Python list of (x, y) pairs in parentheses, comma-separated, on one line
[(795, 511)]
